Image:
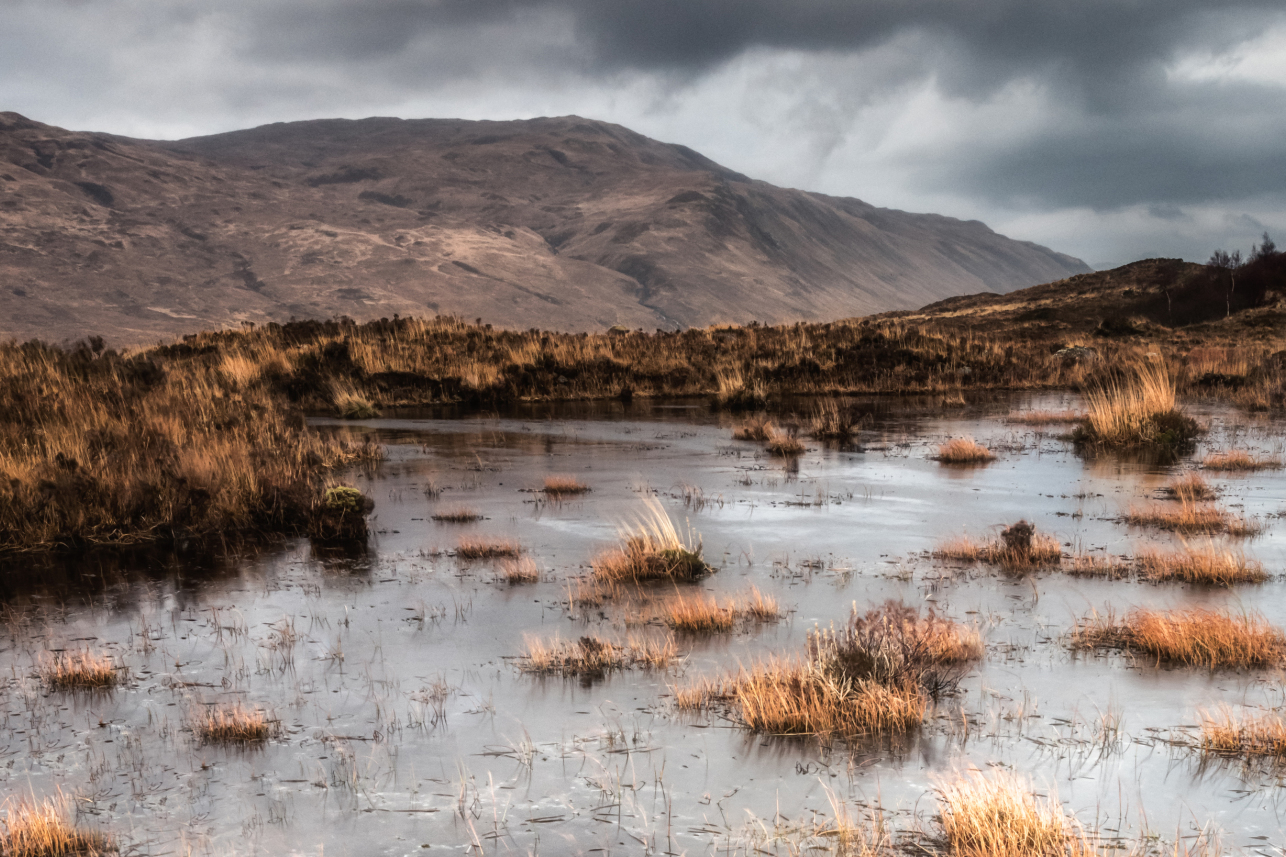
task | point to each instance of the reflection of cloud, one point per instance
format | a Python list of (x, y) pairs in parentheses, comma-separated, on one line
[(1110, 130)]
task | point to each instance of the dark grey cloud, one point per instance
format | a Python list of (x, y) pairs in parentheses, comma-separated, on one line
[(1119, 119)]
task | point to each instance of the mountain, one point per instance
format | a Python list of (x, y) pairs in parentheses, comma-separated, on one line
[(559, 223)]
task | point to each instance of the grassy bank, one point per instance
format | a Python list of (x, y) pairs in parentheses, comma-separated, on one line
[(99, 448)]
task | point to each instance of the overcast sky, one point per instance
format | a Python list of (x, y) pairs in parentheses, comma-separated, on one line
[(1109, 129)]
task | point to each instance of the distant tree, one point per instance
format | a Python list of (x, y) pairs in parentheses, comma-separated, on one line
[(1228, 262), (1264, 250)]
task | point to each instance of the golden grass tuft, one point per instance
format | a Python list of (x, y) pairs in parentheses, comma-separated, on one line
[(964, 450), (457, 515), (40, 829), (592, 656), (783, 444), (564, 486), (232, 724), (518, 570), (478, 548), (1210, 563), (999, 816), (1137, 411), (829, 421), (701, 613), (788, 698), (1019, 547), (1193, 637), (1189, 488), (1192, 518), (1043, 418), (1239, 461), (79, 671), (1238, 734), (651, 550), (1097, 565)]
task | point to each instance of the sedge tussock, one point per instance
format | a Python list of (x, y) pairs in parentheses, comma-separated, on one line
[(592, 656), (1209, 563), (831, 422), (1137, 411), (476, 548), (564, 486), (651, 550), (760, 607), (1096, 565), (783, 444), (964, 450), (457, 515), (704, 614), (518, 570), (1043, 418), (785, 698), (1189, 488), (754, 428), (1238, 460), (40, 829), (79, 671), (232, 724), (1193, 637), (1000, 816), (1020, 547), (1192, 518), (1241, 734)]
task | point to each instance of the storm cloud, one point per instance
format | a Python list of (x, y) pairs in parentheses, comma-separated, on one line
[(1108, 129)]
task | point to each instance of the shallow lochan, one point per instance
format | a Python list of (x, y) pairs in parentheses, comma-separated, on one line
[(408, 727)]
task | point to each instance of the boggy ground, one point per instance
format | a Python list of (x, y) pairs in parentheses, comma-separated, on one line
[(402, 714)]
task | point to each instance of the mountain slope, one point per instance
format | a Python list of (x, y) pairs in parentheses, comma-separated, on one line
[(560, 223)]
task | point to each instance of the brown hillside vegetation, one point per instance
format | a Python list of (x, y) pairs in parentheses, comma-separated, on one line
[(560, 223)]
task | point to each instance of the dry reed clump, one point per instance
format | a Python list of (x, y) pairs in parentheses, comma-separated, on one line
[(754, 428), (1239, 461), (652, 550), (999, 816), (558, 487), (1087, 565), (1137, 411), (829, 421), (1190, 488), (1193, 637), (783, 444), (479, 548), (1220, 566), (520, 570), (1043, 418), (591, 656), (964, 450), (787, 698), (736, 393), (1020, 547), (1230, 733), (699, 614), (232, 724), (146, 448), (79, 671), (1192, 518), (40, 829), (351, 404), (456, 515)]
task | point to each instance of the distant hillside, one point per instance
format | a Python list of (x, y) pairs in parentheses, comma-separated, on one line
[(565, 224)]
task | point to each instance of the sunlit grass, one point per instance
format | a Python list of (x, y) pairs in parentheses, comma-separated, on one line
[(35, 828), (1239, 461), (651, 550), (1192, 518), (1192, 637), (482, 548), (1209, 563), (82, 670), (964, 450), (559, 487), (232, 724), (1243, 734)]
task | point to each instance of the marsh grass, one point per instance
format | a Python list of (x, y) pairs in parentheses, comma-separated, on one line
[(801, 698), (999, 816), (558, 487), (515, 571), (1189, 488), (40, 829), (1232, 733), (1098, 565), (457, 515), (593, 656), (1043, 418), (964, 450), (1137, 410), (1020, 547), (704, 614), (651, 550), (82, 670), (758, 428), (1208, 564), (482, 548), (783, 444), (232, 724), (1239, 461), (828, 421), (1192, 518), (1192, 637)]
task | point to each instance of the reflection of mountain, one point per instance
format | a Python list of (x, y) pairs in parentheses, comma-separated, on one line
[(558, 223)]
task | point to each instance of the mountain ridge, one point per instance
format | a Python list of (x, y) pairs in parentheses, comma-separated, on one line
[(562, 223)]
